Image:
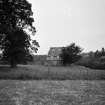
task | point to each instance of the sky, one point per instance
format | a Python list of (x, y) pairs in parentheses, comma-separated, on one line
[(61, 22)]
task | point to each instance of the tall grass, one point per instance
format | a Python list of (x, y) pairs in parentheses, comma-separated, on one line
[(38, 72)]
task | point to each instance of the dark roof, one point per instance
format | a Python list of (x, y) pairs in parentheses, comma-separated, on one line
[(55, 51)]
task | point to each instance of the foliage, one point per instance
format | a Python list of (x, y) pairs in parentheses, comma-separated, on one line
[(17, 48), (70, 54), (39, 59), (95, 60), (16, 22), (100, 53)]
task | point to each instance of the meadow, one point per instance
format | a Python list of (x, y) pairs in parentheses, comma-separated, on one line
[(48, 92), (49, 85), (40, 72)]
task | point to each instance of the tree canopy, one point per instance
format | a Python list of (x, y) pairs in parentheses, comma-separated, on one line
[(99, 54), (70, 54), (15, 22)]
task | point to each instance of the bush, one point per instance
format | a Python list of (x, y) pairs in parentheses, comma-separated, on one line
[(70, 54), (92, 62)]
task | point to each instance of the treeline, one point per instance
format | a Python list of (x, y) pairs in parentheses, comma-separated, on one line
[(95, 60), (72, 54)]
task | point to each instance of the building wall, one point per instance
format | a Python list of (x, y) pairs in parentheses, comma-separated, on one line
[(54, 62), (53, 57)]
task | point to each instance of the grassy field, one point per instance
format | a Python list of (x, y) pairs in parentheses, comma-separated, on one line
[(74, 85), (41, 92), (38, 72)]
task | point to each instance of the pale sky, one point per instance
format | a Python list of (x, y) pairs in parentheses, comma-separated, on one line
[(61, 22)]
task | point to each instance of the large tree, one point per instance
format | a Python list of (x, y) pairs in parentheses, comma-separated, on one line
[(16, 22), (70, 54)]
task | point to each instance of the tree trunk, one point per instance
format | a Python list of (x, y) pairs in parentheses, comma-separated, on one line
[(13, 63)]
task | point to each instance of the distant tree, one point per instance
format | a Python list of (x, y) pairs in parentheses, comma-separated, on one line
[(91, 54), (70, 54), (16, 22), (99, 54), (103, 52)]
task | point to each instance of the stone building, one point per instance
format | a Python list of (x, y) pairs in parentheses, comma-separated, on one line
[(53, 57)]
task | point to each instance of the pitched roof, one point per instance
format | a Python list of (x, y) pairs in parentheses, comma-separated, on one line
[(55, 51)]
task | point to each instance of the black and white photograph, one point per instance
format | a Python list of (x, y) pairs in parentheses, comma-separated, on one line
[(52, 52)]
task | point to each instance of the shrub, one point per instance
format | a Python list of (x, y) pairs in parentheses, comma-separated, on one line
[(92, 62), (70, 54)]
